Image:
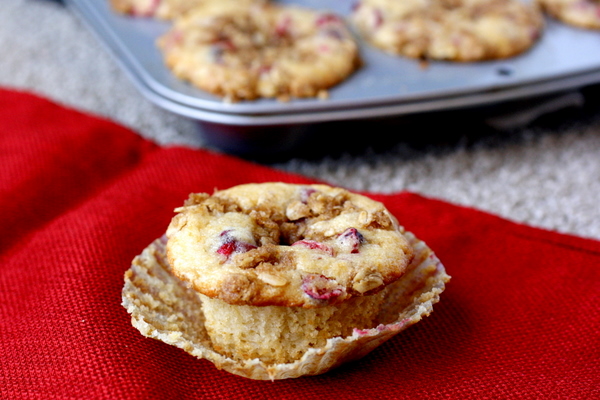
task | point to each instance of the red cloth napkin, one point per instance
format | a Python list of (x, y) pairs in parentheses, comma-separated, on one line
[(81, 196)]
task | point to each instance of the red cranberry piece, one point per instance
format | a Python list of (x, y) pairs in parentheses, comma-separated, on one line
[(351, 239), (377, 18), (264, 69), (327, 19), (314, 245), (597, 6), (535, 33), (282, 28), (227, 248), (320, 287), (225, 44), (232, 245)]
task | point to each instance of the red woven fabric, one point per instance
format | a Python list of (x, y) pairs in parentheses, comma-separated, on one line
[(81, 196)]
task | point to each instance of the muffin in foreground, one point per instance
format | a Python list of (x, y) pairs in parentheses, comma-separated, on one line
[(453, 30), (244, 52), (273, 281)]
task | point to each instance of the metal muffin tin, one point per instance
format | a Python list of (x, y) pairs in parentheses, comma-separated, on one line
[(565, 58)]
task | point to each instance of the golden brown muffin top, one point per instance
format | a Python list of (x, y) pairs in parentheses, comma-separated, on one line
[(263, 50), (581, 13), (286, 245), (457, 30)]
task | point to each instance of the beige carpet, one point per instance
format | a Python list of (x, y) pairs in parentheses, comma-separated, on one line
[(546, 175)]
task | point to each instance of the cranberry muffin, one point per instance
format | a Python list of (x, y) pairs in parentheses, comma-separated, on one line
[(276, 280), (580, 13), (255, 51), (453, 30)]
